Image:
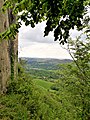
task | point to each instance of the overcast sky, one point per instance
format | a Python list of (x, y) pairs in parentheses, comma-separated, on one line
[(33, 44)]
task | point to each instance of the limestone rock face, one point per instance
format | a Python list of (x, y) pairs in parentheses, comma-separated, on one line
[(8, 52)]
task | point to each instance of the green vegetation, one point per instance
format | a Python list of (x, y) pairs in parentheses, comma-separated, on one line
[(44, 63), (44, 74), (66, 98), (43, 68), (61, 16), (44, 84), (33, 97), (24, 100), (46, 94)]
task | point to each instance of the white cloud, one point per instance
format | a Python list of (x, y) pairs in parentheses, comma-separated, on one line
[(35, 34)]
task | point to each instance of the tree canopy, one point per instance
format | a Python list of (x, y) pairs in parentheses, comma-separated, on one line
[(60, 15)]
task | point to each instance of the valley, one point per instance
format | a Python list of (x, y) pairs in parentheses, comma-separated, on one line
[(46, 89)]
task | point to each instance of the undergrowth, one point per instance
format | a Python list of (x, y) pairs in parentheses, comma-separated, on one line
[(25, 101)]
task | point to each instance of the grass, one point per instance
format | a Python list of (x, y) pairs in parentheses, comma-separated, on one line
[(44, 84)]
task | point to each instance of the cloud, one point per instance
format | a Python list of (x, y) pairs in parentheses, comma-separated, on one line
[(35, 34)]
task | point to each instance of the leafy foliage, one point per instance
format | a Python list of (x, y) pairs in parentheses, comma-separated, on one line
[(80, 51), (60, 16), (74, 88), (69, 98), (75, 78), (24, 100)]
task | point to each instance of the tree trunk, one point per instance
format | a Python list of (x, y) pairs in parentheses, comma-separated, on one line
[(8, 51)]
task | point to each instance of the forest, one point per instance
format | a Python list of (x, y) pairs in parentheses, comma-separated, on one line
[(45, 89)]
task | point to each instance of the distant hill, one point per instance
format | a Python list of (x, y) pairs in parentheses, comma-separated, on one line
[(44, 63)]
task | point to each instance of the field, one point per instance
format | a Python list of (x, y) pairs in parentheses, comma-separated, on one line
[(44, 84)]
